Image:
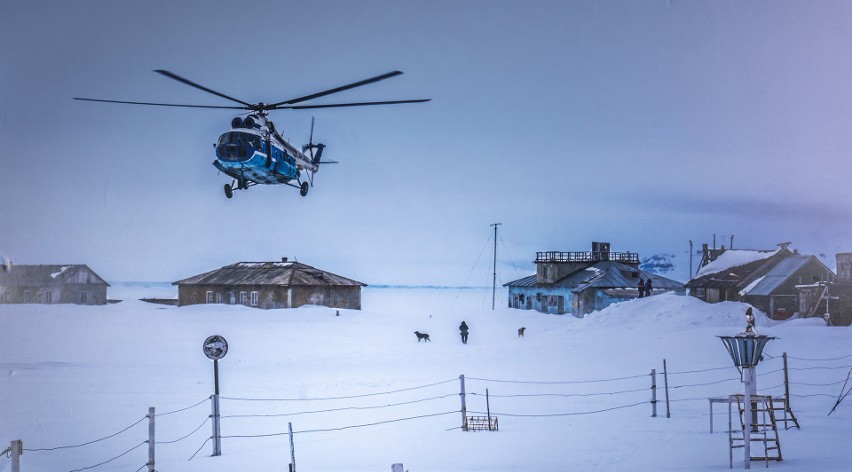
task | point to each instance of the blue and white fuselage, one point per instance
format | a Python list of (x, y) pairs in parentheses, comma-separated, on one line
[(252, 152)]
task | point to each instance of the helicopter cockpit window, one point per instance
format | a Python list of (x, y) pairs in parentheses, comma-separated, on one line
[(237, 146)]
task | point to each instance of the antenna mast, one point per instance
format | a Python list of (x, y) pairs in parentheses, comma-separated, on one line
[(494, 280)]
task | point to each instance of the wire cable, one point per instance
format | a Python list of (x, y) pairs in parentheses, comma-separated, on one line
[(86, 443), (184, 437), (567, 382), (337, 398), (330, 410), (183, 409), (110, 460), (560, 394), (534, 415)]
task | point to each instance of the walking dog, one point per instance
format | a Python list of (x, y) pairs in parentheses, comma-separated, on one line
[(521, 332), (421, 336)]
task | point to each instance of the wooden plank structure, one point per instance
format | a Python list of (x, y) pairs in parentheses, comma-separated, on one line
[(481, 423), (764, 431)]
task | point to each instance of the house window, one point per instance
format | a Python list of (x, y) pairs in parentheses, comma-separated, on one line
[(243, 298), (253, 298), (194, 297), (28, 295), (209, 296)]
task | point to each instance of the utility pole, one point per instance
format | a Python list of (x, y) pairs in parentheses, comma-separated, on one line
[(494, 280), (690, 259)]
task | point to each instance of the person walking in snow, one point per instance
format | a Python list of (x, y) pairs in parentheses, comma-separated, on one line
[(463, 328), (648, 288), (641, 287)]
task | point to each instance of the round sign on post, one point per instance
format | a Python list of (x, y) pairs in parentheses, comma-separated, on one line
[(215, 347)]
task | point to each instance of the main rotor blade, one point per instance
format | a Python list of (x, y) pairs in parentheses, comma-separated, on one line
[(172, 75), (337, 89), (358, 104), (161, 104)]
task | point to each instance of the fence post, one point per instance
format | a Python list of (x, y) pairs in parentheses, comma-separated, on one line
[(16, 449), (292, 449), (653, 393), (151, 441), (217, 433), (666, 381), (463, 406)]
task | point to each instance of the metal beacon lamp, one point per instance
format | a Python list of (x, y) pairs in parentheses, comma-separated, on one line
[(746, 350)]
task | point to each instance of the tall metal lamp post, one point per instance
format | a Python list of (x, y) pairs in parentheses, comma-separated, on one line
[(746, 350)]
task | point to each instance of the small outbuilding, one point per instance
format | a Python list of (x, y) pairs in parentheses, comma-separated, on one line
[(51, 284), (284, 284), (830, 300), (582, 282)]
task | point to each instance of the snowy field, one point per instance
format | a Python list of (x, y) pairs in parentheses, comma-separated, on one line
[(361, 393)]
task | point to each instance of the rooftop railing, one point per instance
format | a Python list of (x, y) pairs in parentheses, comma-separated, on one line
[(589, 256)]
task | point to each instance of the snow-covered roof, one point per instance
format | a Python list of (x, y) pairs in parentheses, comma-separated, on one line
[(734, 258)]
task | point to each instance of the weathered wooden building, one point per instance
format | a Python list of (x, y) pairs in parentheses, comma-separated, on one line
[(767, 280), (833, 297), (53, 283), (582, 282), (269, 285)]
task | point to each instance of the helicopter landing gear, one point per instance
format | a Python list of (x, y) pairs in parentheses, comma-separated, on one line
[(303, 189), (229, 192)]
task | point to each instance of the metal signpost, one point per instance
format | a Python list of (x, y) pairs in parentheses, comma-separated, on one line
[(215, 347)]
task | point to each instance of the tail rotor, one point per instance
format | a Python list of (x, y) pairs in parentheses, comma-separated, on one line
[(315, 150)]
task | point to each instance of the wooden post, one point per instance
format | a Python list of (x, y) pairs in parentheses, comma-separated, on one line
[(653, 393), (217, 432), (292, 449), (666, 381), (488, 409), (151, 441), (16, 449), (786, 392), (463, 405)]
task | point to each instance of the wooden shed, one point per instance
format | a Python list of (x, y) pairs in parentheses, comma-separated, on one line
[(52, 283), (268, 285), (767, 280)]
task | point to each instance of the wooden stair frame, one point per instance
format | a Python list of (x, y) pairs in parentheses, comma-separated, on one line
[(764, 430)]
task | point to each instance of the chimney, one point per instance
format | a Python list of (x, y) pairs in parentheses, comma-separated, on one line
[(283, 259)]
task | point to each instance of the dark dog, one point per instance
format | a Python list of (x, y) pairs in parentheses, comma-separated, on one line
[(421, 336), (521, 332)]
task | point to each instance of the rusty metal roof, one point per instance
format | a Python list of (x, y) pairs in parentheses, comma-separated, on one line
[(44, 275), (282, 274)]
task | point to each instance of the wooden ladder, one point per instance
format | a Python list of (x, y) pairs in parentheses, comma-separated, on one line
[(764, 429)]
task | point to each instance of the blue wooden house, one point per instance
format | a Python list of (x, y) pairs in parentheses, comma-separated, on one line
[(582, 282)]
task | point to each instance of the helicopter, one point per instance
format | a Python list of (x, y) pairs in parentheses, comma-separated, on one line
[(253, 152)]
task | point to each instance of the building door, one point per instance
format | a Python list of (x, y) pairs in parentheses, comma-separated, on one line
[(560, 305)]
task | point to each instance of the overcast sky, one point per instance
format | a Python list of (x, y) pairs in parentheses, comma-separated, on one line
[(646, 124)]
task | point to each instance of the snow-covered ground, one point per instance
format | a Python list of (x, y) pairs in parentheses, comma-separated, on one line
[(361, 393)]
